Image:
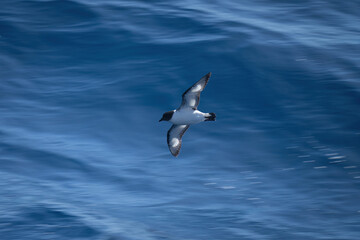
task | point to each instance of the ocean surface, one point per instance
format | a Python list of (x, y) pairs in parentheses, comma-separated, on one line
[(84, 83)]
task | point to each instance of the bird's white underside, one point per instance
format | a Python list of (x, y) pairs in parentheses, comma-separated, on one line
[(187, 116)]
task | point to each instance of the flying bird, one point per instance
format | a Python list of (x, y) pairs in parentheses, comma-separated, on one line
[(186, 115)]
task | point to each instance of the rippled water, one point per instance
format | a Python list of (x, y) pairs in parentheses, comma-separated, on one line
[(84, 83)]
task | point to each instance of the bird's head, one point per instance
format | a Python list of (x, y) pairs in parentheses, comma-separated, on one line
[(167, 116)]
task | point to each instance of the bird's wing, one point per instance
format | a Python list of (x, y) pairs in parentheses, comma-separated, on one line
[(174, 136), (191, 97)]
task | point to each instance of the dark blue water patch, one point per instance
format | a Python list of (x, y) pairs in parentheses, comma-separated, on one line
[(39, 222)]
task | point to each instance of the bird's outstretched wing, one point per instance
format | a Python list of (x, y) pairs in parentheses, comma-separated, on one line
[(191, 97), (174, 136)]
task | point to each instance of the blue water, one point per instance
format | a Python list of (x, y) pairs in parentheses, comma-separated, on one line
[(84, 83)]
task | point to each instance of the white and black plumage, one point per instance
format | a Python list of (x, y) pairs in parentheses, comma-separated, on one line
[(186, 115)]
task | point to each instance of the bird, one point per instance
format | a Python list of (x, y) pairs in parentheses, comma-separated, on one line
[(186, 115)]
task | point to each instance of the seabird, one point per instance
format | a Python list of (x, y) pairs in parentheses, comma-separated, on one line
[(186, 115)]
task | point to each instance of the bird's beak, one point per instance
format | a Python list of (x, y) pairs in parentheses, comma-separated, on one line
[(161, 120)]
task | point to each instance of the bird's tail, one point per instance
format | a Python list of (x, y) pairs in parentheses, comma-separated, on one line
[(210, 117)]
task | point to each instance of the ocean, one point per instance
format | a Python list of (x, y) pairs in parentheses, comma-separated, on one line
[(83, 85)]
